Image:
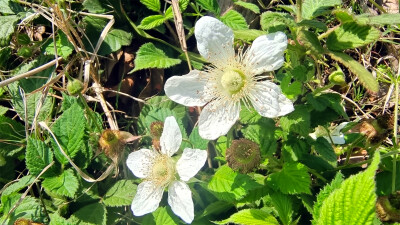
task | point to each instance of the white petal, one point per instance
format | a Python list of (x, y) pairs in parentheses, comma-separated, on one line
[(266, 53), (187, 89), (268, 100), (337, 130), (171, 137), (141, 162), (147, 198), (214, 40), (217, 118), (337, 140), (180, 200), (190, 163)]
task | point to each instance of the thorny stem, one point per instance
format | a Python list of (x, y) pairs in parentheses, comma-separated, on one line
[(395, 128)]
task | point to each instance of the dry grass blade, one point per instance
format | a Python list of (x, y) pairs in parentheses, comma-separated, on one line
[(179, 29)]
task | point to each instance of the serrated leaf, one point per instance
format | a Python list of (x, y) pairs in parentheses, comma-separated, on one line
[(351, 35), (283, 205), (324, 148), (250, 217), (114, 40), (12, 134), (65, 184), (298, 121), (95, 213), (343, 16), (69, 130), (17, 186), (56, 219), (366, 78), (310, 41), (249, 115), (249, 6), (234, 20), (151, 22), (276, 21), (383, 19), (229, 185), (313, 24), (64, 46), (292, 179), (354, 201), (29, 208), (154, 5), (314, 8), (120, 194), (38, 155), (209, 5), (291, 88), (325, 192), (8, 25), (9, 7), (216, 208), (149, 56), (195, 140), (248, 34), (263, 133), (163, 216)]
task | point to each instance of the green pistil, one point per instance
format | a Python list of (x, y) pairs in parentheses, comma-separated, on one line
[(233, 81), (163, 170)]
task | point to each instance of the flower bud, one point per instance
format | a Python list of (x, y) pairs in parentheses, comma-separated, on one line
[(112, 142), (337, 78), (243, 155), (74, 87)]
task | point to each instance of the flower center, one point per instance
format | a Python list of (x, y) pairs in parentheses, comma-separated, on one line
[(163, 170), (233, 81)]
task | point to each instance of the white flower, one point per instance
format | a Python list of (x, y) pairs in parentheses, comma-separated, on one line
[(158, 171), (335, 134), (232, 79)]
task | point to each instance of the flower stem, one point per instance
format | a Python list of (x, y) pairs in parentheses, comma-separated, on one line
[(395, 128)]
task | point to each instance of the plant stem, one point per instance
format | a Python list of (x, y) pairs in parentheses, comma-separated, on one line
[(377, 6), (299, 4), (395, 128)]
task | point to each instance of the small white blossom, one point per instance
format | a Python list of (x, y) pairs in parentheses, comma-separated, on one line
[(232, 80), (158, 171), (335, 134)]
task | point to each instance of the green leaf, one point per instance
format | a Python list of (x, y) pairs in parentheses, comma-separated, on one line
[(38, 156), (163, 216), (17, 186), (298, 121), (196, 140), (292, 179), (249, 115), (8, 24), (351, 35), (66, 184), (310, 41), (29, 208), (248, 34), (229, 185), (250, 6), (151, 22), (365, 77), (216, 208), (64, 46), (250, 217), (209, 5), (263, 133), (325, 192), (9, 7), (234, 20), (343, 16), (69, 130), (12, 134), (148, 56), (314, 8), (354, 201), (94, 6), (95, 213), (283, 205), (275, 21), (56, 219), (120, 194), (313, 24), (114, 40), (324, 148), (291, 88), (383, 19), (153, 5)]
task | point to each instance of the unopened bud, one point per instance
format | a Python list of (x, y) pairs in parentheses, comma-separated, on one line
[(337, 78), (74, 87)]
